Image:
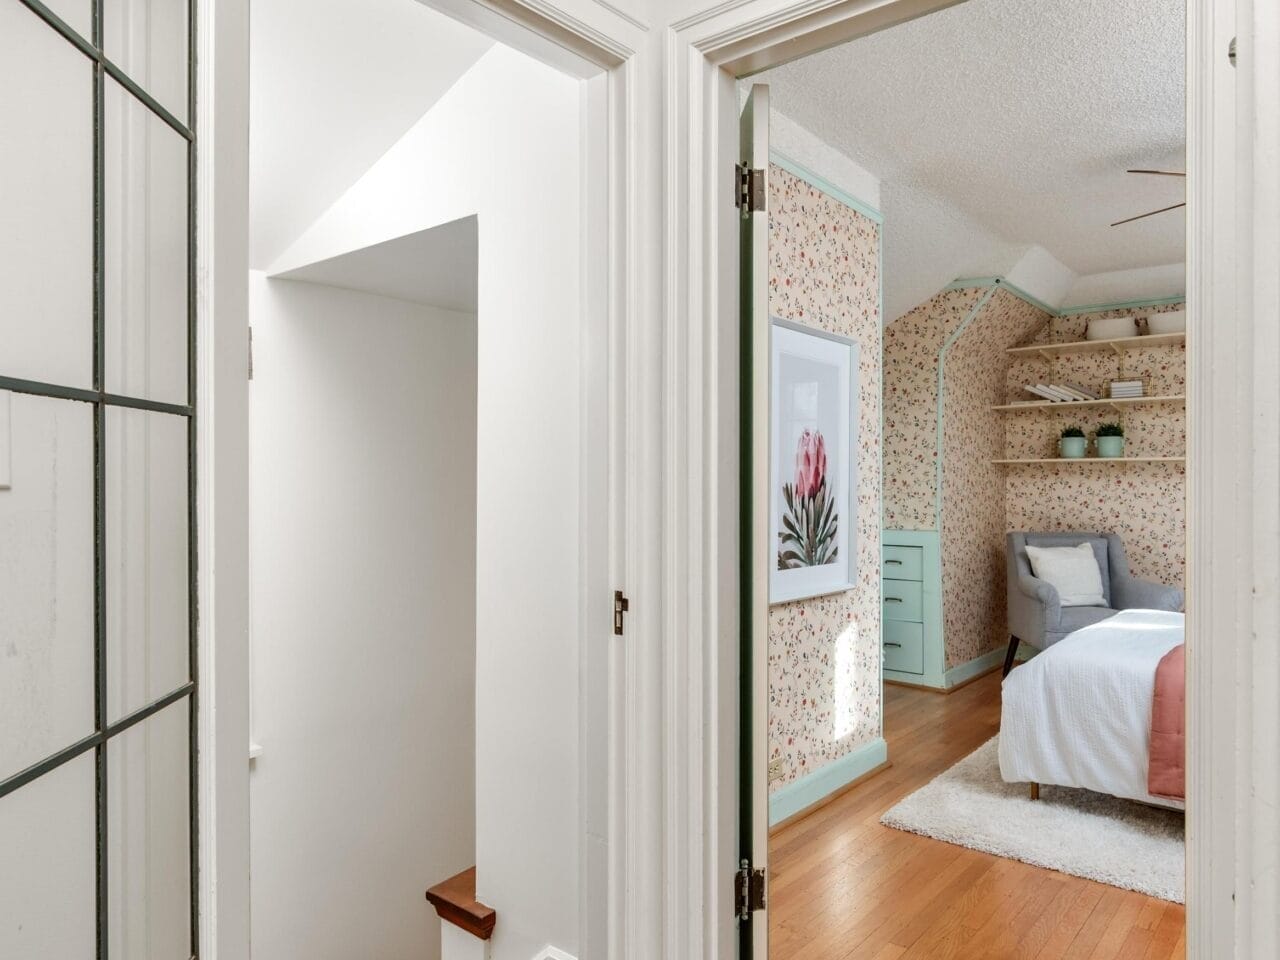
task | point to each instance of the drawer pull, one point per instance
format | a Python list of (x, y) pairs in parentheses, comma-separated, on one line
[(892, 599), (897, 562), (891, 643)]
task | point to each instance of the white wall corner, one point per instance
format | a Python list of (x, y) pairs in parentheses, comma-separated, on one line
[(788, 139), (1042, 275), (458, 944), (1121, 286)]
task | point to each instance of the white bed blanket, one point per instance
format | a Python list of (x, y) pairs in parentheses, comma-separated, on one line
[(1079, 714)]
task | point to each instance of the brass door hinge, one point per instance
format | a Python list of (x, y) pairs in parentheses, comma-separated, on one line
[(620, 606)]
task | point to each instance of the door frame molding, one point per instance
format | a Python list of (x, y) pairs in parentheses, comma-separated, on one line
[(1234, 416), (580, 37)]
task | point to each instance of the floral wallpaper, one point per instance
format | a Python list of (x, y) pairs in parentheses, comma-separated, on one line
[(824, 653), (973, 488), (1144, 503), (911, 347)]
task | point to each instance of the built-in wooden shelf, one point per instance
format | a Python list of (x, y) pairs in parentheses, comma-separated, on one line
[(1118, 345), (1115, 402), (1097, 460), (455, 901)]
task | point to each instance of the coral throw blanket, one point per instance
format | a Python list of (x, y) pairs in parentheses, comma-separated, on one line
[(1166, 770)]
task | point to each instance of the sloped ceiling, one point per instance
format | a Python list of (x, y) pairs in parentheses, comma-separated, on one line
[(333, 84), (1009, 123), (439, 267)]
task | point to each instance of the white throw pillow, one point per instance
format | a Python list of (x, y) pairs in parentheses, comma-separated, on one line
[(1073, 570)]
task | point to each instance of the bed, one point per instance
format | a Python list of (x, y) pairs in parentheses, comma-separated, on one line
[(1079, 714)]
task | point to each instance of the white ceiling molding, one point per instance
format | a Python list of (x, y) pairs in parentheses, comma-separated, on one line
[(1121, 286)]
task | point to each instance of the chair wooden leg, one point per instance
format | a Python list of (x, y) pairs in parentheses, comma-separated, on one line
[(1008, 657), (1035, 791)]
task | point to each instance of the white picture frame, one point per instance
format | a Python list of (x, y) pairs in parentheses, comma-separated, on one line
[(813, 465)]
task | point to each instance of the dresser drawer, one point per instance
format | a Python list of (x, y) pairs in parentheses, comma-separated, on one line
[(904, 646), (903, 563), (902, 600)]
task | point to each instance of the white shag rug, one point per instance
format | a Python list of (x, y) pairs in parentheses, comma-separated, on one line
[(1092, 835)]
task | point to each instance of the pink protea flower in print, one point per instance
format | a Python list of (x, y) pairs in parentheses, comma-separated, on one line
[(811, 463), (810, 520)]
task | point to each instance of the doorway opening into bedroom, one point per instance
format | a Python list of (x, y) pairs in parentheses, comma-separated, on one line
[(997, 243)]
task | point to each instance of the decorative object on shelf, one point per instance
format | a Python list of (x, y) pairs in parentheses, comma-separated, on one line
[(1110, 440), (1111, 328), (1072, 444), (1127, 389), (812, 465), (1172, 321)]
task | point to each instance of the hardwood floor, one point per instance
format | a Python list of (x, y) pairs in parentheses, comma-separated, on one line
[(843, 887)]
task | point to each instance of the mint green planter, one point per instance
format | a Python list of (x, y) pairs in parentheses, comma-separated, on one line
[(1072, 448), (1110, 447)]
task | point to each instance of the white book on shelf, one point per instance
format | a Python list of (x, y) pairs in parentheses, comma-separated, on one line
[(1041, 390), (1079, 392), (1059, 394)]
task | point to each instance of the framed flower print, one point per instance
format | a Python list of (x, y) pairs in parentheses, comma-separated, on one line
[(813, 462)]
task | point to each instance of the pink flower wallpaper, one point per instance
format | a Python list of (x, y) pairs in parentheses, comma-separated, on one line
[(824, 653), (973, 488), (911, 346), (1145, 504)]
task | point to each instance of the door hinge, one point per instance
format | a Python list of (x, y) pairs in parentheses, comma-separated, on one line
[(251, 353), (620, 606), (1231, 52), (750, 890), (748, 189)]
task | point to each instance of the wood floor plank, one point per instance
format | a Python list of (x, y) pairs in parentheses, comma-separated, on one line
[(844, 887)]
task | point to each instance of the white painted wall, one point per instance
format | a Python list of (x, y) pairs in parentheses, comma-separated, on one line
[(362, 505), (504, 144)]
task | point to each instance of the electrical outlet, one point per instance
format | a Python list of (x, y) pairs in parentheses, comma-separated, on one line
[(775, 769)]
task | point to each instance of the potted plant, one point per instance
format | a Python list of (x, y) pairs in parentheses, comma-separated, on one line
[(1110, 440), (1072, 444)]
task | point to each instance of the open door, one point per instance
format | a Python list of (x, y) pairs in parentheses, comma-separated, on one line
[(752, 192)]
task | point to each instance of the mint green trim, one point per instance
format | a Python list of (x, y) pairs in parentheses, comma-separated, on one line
[(969, 283), (931, 582), (821, 783), (827, 187), (1123, 305), (942, 363), (974, 668), (880, 396)]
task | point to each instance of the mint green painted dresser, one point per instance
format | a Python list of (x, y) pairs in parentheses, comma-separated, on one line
[(911, 621)]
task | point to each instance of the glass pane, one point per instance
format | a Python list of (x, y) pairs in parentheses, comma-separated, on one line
[(145, 250), (147, 39), (146, 525), (48, 881), (46, 579), (148, 839), (46, 204), (77, 14)]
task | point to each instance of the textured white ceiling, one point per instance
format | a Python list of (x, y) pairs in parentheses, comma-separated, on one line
[(333, 84), (1020, 116), (439, 267)]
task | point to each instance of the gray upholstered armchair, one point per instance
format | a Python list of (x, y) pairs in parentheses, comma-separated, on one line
[(1037, 617)]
